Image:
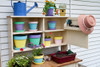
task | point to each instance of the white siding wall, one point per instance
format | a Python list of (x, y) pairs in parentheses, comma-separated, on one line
[(6, 10), (91, 56)]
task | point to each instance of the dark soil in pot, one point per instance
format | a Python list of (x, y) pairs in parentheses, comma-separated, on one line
[(40, 54), (61, 55), (16, 65)]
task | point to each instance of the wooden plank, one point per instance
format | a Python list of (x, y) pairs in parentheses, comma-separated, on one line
[(38, 17), (10, 36), (77, 38), (26, 32), (54, 64), (29, 49), (57, 30), (72, 28)]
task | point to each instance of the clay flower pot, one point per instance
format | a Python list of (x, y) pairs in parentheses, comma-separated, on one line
[(58, 40), (35, 39), (50, 11), (47, 42), (20, 42), (19, 26), (38, 59), (33, 26), (52, 25)]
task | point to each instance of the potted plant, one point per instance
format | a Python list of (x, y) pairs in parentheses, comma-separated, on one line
[(38, 55), (20, 61), (47, 41), (49, 8)]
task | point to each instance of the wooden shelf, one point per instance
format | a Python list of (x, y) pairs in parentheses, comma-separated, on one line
[(29, 49), (37, 16), (26, 49), (73, 28), (26, 32), (71, 35), (55, 45), (54, 30)]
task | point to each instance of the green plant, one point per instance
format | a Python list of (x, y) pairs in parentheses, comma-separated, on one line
[(11, 62), (49, 4), (20, 61), (38, 51), (47, 37)]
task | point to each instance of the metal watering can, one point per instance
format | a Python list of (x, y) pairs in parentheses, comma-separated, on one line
[(19, 8)]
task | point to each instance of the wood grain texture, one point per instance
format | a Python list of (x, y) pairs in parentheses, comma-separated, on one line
[(54, 64)]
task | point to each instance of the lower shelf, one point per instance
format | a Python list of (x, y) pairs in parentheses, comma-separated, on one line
[(29, 49)]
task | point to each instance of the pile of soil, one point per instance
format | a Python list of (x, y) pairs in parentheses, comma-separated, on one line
[(61, 55)]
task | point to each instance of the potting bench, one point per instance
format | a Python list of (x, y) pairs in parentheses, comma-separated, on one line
[(73, 63), (71, 35)]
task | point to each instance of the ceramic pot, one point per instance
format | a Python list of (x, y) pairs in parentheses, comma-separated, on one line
[(20, 42), (52, 25), (33, 26), (50, 11), (47, 42), (35, 39), (19, 26), (58, 40), (38, 59)]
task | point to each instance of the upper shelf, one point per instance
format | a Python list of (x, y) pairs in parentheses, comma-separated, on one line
[(54, 30), (37, 16), (29, 32), (26, 32), (73, 28)]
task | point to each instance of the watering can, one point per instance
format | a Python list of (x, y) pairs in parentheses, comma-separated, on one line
[(19, 8)]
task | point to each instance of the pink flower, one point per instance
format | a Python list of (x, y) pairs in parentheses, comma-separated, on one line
[(43, 45), (34, 47)]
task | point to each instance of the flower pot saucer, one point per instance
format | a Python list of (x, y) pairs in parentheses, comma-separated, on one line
[(33, 30), (38, 63), (31, 46), (18, 48), (20, 31)]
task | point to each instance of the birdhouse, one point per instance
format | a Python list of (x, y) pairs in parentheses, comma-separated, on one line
[(62, 8)]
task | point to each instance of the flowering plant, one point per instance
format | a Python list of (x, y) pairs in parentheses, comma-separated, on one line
[(47, 37), (20, 61), (48, 4), (38, 51)]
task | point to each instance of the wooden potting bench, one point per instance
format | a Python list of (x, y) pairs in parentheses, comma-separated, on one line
[(71, 35)]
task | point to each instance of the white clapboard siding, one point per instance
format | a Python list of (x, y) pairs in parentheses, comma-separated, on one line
[(6, 10), (90, 56)]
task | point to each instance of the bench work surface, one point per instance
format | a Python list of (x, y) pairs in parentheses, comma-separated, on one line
[(54, 64)]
